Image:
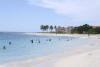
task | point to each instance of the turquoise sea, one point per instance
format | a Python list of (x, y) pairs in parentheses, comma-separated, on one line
[(22, 48)]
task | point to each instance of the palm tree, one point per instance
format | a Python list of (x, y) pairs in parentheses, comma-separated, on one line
[(51, 28), (47, 27), (42, 27), (55, 27)]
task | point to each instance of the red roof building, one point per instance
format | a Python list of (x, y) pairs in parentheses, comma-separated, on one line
[(95, 26), (64, 29)]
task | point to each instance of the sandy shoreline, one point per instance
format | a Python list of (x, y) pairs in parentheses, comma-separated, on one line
[(82, 56), (73, 35)]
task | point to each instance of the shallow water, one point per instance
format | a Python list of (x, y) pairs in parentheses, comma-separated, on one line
[(22, 48)]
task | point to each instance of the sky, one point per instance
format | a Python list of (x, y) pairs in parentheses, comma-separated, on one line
[(28, 15)]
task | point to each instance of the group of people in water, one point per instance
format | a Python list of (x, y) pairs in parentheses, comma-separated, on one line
[(9, 43), (38, 41), (33, 41)]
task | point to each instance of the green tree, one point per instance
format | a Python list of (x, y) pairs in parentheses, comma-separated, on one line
[(47, 27), (51, 28), (42, 27), (55, 27), (84, 29)]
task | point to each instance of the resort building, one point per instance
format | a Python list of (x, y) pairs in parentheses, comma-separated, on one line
[(95, 26), (64, 29)]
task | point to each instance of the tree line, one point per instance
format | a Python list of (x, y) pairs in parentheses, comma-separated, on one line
[(83, 29), (48, 28), (86, 29)]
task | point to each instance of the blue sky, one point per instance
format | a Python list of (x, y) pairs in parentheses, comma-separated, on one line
[(28, 15)]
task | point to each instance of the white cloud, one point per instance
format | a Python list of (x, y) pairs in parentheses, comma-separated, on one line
[(78, 10)]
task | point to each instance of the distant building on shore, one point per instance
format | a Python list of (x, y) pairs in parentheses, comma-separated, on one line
[(64, 29), (95, 26), (69, 29)]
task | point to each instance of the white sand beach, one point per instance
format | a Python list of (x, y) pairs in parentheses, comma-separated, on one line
[(88, 59), (82, 56), (73, 35)]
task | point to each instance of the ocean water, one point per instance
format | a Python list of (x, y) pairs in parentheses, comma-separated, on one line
[(22, 48)]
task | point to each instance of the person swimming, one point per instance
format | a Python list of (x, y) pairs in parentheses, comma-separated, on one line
[(50, 39), (4, 47), (32, 41), (10, 43), (68, 40), (38, 41)]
